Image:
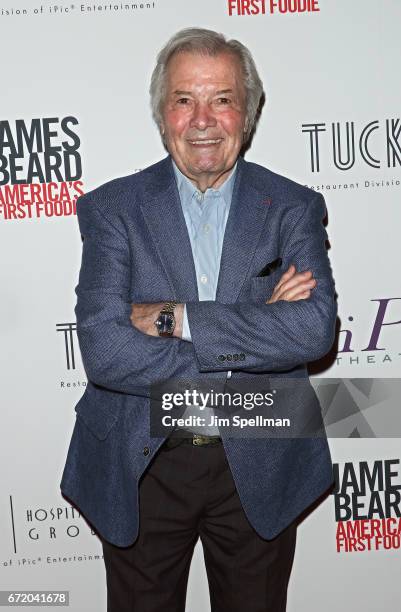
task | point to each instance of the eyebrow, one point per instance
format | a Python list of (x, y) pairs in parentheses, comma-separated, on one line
[(180, 92)]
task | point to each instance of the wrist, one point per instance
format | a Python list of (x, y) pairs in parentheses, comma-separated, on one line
[(179, 315)]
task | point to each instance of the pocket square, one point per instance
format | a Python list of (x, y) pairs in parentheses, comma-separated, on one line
[(270, 267)]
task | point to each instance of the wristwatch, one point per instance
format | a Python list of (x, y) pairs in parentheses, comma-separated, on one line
[(165, 322)]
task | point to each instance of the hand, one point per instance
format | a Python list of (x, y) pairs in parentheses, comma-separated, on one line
[(143, 317), (293, 286)]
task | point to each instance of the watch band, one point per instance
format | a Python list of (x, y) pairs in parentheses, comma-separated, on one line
[(169, 307)]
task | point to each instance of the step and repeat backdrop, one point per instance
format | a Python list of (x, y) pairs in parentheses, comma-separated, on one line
[(74, 113)]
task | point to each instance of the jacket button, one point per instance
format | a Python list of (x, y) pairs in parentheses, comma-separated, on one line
[(146, 450), (221, 357)]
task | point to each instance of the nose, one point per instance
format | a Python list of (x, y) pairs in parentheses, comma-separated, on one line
[(202, 117)]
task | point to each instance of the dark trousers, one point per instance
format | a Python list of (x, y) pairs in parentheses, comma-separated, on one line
[(188, 492)]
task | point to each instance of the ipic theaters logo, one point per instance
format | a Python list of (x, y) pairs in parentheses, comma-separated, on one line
[(40, 168), (367, 504), (263, 7), (344, 143), (386, 316)]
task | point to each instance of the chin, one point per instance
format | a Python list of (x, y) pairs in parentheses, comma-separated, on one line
[(208, 165)]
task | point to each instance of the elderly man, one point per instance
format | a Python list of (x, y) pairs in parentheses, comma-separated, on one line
[(200, 267)]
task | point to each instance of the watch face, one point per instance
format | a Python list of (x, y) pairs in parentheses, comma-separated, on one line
[(165, 323)]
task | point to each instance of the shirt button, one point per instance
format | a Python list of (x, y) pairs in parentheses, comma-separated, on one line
[(206, 228), (203, 279)]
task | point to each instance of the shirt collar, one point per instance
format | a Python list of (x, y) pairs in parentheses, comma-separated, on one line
[(186, 187)]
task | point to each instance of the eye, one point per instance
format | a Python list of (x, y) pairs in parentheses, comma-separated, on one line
[(183, 101), (223, 101)]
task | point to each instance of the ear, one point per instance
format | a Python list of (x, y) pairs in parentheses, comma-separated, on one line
[(162, 131)]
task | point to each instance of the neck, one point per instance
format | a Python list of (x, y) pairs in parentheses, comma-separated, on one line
[(207, 180)]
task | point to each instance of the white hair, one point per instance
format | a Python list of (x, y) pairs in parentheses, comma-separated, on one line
[(206, 42)]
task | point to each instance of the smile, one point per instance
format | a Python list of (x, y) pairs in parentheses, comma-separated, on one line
[(205, 142)]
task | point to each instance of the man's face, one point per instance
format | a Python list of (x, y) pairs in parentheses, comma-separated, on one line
[(204, 115)]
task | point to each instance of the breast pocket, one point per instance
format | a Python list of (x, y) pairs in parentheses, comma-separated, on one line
[(262, 286)]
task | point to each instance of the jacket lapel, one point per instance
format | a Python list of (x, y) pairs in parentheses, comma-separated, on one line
[(166, 223), (247, 217)]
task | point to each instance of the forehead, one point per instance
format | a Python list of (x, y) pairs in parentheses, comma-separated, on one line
[(197, 69)]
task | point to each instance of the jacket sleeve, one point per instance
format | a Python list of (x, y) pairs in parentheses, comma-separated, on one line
[(115, 354), (276, 336)]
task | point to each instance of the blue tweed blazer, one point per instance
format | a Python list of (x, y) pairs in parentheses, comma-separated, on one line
[(136, 248)]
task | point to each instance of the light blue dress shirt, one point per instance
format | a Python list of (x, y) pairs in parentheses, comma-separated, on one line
[(206, 217)]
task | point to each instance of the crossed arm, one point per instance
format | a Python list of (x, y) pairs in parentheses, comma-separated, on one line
[(281, 334), (292, 286)]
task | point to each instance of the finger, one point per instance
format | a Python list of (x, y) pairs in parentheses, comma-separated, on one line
[(289, 296), (294, 286), (295, 277), (289, 272), (301, 296), (298, 296), (287, 275)]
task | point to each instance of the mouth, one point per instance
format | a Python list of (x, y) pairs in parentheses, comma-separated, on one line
[(209, 142)]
